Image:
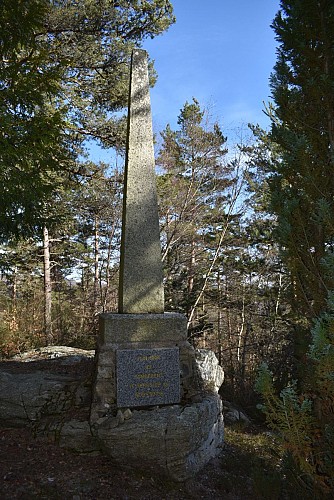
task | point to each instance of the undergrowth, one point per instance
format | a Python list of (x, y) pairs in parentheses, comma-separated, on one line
[(254, 465)]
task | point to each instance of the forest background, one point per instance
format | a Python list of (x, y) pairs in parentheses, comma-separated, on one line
[(246, 231)]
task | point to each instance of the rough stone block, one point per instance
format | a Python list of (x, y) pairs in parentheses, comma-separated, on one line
[(175, 440), (151, 328)]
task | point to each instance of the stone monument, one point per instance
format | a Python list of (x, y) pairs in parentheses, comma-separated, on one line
[(150, 407)]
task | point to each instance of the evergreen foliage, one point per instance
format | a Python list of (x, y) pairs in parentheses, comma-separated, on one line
[(33, 144), (305, 420), (250, 269), (301, 180), (299, 174), (193, 201), (63, 75), (222, 267), (64, 82), (94, 41)]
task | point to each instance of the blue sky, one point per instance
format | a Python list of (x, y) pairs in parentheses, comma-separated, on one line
[(222, 53)]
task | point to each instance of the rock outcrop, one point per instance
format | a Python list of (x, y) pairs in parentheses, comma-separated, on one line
[(174, 438), (44, 382), (210, 372), (50, 390)]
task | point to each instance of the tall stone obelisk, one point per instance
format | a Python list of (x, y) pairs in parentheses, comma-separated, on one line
[(147, 393), (141, 279)]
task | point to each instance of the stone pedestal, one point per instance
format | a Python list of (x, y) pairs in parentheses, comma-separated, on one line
[(178, 439), (119, 332)]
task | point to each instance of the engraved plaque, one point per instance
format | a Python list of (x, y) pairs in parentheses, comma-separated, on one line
[(148, 377)]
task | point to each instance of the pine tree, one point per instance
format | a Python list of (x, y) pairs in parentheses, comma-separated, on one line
[(193, 198), (301, 180), (93, 41), (301, 183), (64, 80), (33, 143)]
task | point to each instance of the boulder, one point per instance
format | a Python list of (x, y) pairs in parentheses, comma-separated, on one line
[(66, 354), (233, 415), (24, 397), (178, 440), (175, 440), (43, 382), (210, 372), (76, 435)]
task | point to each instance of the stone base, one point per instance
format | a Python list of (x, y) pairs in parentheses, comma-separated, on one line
[(138, 331), (176, 441)]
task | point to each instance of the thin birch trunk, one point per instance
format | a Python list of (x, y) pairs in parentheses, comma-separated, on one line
[(96, 264), (47, 288)]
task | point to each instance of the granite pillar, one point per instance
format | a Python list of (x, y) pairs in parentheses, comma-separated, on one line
[(140, 286)]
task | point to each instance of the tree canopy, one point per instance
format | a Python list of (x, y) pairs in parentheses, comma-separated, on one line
[(300, 177), (301, 180), (34, 146), (63, 75), (252, 269)]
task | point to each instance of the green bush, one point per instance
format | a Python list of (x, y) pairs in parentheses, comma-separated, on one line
[(305, 421)]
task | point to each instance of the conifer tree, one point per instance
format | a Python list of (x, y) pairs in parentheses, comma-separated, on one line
[(301, 180), (63, 75), (94, 41), (193, 196), (33, 145), (301, 184)]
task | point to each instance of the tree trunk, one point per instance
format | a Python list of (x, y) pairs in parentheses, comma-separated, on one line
[(104, 291), (47, 288), (96, 264), (13, 311), (219, 319), (190, 284), (242, 326)]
